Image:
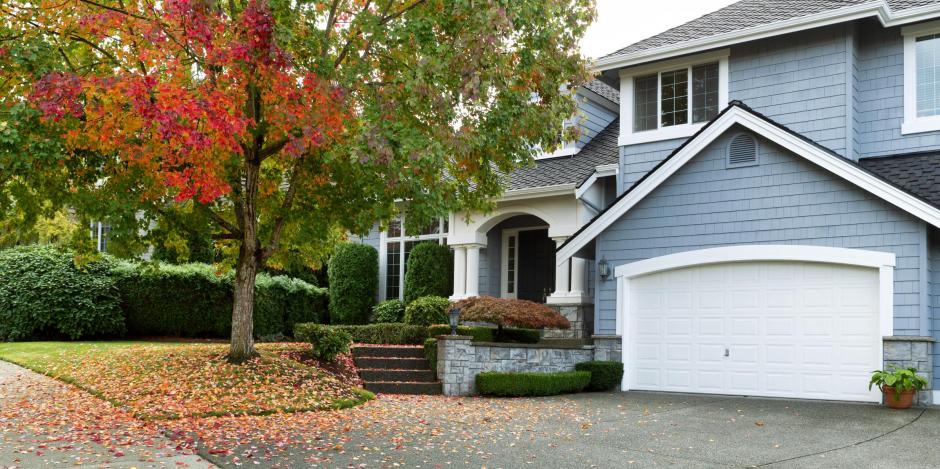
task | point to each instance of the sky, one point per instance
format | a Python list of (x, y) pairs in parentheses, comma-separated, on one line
[(622, 22)]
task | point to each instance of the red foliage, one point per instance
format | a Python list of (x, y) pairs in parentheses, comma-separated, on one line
[(510, 313)]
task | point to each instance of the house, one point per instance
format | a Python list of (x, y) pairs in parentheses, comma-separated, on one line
[(753, 207)]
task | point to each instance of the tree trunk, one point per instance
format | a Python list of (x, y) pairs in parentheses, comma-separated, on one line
[(249, 261)]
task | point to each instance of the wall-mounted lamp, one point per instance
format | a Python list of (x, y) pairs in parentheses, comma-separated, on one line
[(603, 268)]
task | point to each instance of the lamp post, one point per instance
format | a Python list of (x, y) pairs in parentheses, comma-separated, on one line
[(453, 315)]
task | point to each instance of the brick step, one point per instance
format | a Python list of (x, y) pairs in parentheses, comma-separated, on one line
[(392, 363), (387, 352), (399, 387), (418, 376)]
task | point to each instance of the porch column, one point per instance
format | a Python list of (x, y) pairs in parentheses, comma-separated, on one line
[(578, 269), (473, 270), (460, 273), (561, 273)]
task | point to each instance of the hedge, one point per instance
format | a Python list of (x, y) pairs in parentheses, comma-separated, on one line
[(489, 334), (494, 383), (386, 333), (45, 295), (428, 271), (193, 300), (354, 275), (430, 353), (388, 311), (605, 375), (427, 310)]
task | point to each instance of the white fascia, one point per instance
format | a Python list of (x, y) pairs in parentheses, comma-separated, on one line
[(878, 9), (538, 192), (599, 172), (760, 126)]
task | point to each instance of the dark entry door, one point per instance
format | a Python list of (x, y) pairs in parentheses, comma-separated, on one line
[(536, 265)]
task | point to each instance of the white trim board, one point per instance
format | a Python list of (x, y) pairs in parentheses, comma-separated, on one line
[(912, 122), (504, 259), (737, 114), (878, 9)]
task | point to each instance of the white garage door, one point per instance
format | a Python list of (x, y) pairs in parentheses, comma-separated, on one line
[(781, 329)]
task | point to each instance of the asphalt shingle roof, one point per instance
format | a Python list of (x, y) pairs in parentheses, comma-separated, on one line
[(575, 169), (751, 13), (918, 174), (604, 90)]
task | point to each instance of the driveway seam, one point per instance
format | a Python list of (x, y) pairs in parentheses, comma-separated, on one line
[(859, 443)]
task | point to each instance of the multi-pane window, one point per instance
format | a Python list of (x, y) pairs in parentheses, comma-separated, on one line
[(398, 245), (100, 234), (928, 75), (675, 97), (511, 266)]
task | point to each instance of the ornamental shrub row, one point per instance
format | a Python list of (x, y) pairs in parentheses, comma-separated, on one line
[(490, 334), (605, 375), (386, 333), (493, 383)]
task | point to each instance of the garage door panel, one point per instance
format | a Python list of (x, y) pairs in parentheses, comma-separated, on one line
[(791, 329)]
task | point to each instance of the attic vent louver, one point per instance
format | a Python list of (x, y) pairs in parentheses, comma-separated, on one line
[(742, 151)]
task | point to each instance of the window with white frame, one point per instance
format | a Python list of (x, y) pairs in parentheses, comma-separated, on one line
[(921, 78), (397, 245), (672, 99), (100, 234)]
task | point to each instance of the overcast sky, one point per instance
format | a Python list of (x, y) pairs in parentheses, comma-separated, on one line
[(622, 22)]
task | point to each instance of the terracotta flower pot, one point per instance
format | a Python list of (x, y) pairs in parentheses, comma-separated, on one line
[(894, 401)]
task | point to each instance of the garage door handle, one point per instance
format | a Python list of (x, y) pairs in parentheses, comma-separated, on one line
[(727, 353)]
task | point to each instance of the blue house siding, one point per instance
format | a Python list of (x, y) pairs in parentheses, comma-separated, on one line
[(933, 256), (593, 119), (783, 200)]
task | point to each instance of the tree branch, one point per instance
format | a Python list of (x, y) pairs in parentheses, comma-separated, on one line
[(353, 35), (219, 220), (281, 218)]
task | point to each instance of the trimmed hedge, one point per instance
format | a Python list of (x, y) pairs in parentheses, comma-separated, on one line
[(388, 311), (327, 342), (45, 295), (494, 383), (428, 271), (193, 300), (489, 334), (605, 375), (354, 276), (427, 310), (430, 353), (386, 333)]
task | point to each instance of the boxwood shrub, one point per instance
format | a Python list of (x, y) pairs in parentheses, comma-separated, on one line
[(494, 383), (428, 271), (45, 295), (327, 342), (605, 375), (427, 310), (388, 311), (354, 274), (430, 353), (386, 333)]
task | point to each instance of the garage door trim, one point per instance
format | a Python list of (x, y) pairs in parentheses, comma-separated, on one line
[(883, 261)]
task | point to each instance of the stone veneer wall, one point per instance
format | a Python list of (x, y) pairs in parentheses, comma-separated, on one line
[(608, 348), (459, 360), (581, 317), (911, 352)]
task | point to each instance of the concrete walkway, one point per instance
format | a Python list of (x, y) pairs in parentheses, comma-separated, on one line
[(46, 423)]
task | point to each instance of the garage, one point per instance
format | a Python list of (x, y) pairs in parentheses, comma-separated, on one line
[(773, 321)]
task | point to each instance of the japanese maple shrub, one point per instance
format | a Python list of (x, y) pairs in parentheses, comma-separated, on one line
[(504, 312)]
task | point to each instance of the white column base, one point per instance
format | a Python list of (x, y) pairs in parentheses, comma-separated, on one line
[(569, 299)]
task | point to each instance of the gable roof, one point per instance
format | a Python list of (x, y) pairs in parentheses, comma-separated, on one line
[(739, 114), (747, 20), (917, 173), (574, 169), (604, 90)]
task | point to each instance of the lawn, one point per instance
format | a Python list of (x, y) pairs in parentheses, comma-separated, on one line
[(166, 380)]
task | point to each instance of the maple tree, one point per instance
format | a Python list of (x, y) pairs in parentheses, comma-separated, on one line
[(277, 123)]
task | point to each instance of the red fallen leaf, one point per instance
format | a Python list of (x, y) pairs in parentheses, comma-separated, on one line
[(218, 451)]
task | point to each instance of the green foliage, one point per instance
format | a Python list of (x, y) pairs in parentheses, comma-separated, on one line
[(388, 311), (427, 310), (605, 375), (489, 334), (430, 352), (899, 379), (428, 271), (493, 383), (44, 294), (386, 333), (194, 300), (328, 342), (354, 273)]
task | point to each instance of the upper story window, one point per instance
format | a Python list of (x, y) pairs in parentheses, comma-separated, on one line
[(672, 99), (921, 78)]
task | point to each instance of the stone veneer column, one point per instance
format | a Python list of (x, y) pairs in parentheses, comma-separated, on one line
[(911, 352), (453, 361), (460, 273)]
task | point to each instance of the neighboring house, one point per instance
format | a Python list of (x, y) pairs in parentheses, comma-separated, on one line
[(755, 212)]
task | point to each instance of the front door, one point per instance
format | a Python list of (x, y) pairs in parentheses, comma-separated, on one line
[(536, 265)]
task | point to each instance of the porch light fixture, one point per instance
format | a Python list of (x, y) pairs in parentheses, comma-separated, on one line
[(453, 315), (603, 268)]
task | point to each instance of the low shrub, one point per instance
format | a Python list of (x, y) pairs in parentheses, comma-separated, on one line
[(430, 353), (428, 271), (354, 273), (327, 342), (505, 312), (427, 310), (44, 294), (386, 333), (605, 375), (388, 311), (489, 334), (521, 336), (494, 383)]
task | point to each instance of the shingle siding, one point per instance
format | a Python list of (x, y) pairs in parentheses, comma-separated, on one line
[(783, 200), (933, 259), (593, 118)]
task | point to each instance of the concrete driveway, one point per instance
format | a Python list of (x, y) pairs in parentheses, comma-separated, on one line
[(627, 430)]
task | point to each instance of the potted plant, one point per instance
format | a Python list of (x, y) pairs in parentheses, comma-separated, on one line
[(899, 385)]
